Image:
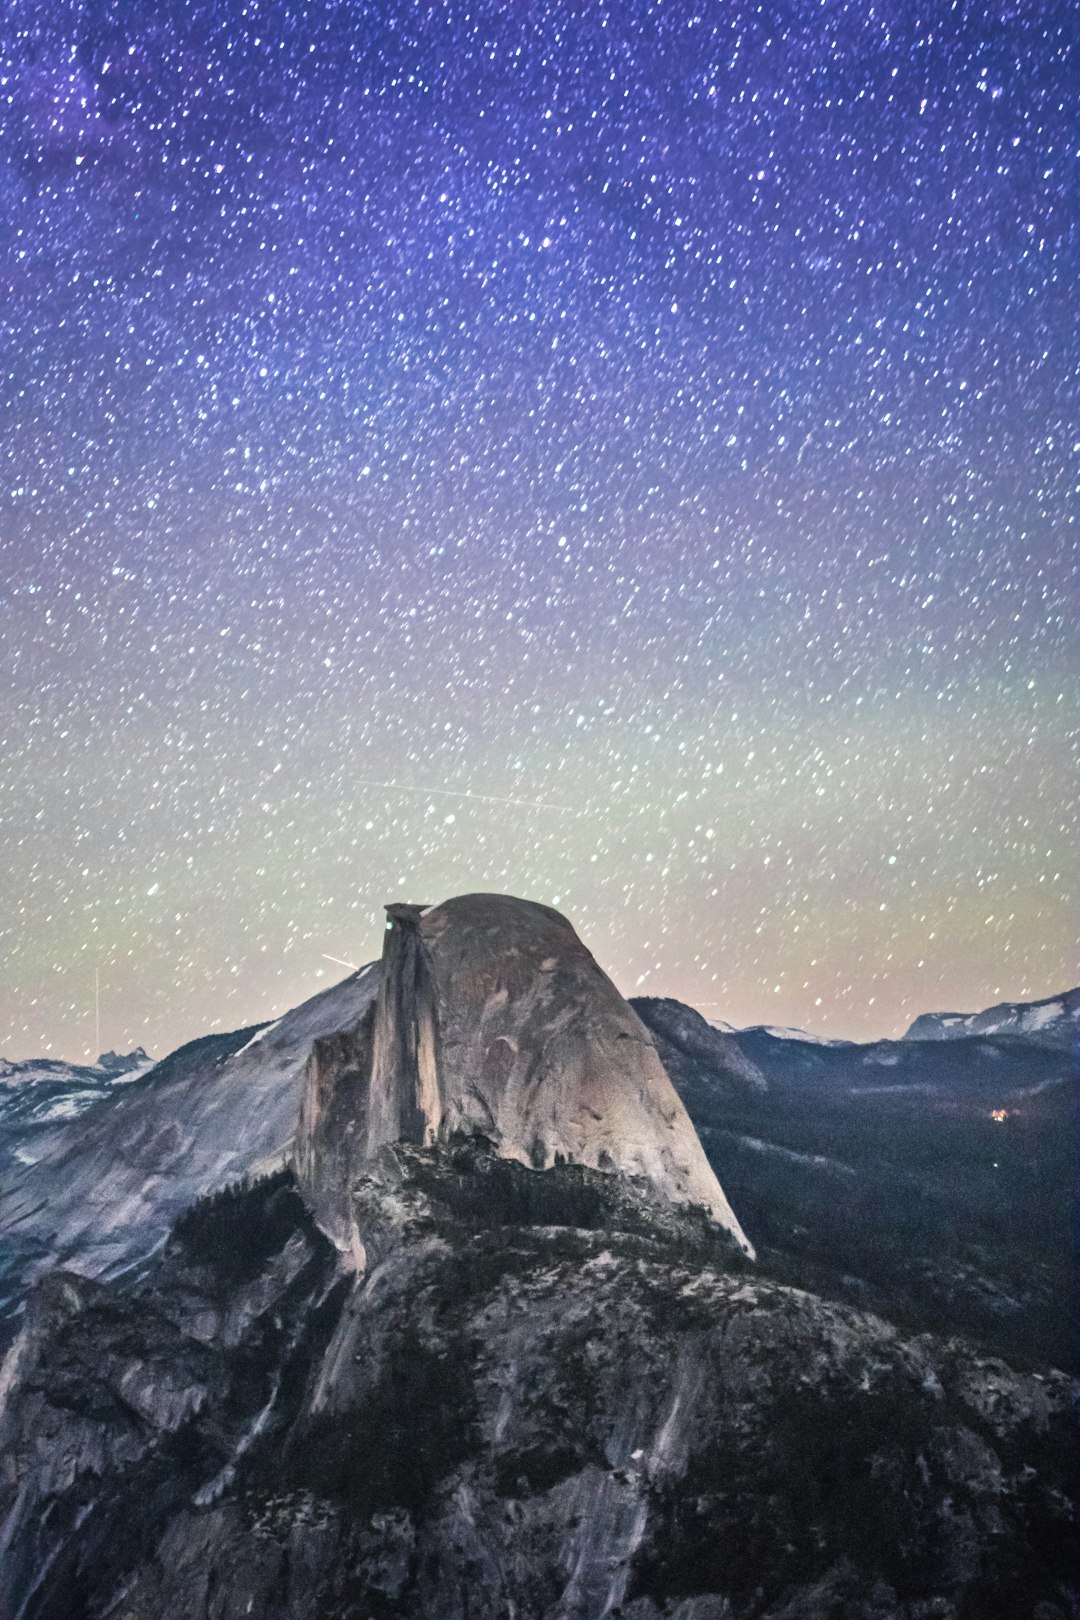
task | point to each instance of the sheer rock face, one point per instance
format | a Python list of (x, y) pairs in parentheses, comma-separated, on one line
[(331, 1131), (493, 1019)]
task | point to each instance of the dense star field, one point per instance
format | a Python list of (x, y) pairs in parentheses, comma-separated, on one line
[(614, 453)]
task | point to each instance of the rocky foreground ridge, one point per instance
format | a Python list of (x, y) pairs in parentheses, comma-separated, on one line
[(550, 1396), (491, 1345)]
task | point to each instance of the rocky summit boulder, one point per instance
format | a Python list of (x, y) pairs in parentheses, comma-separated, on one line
[(493, 1020)]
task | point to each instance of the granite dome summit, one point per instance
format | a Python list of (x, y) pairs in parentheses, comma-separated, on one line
[(493, 1020), (532, 1047)]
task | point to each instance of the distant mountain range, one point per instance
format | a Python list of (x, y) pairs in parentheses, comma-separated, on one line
[(931, 1180), (48, 1091), (43, 1091), (1055, 1021)]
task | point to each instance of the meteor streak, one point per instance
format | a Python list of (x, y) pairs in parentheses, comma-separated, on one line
[(454, 793)]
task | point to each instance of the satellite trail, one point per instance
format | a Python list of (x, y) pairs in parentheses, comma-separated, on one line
[(454, 793)]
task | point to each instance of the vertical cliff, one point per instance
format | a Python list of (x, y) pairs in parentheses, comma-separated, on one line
[(405, 1104)]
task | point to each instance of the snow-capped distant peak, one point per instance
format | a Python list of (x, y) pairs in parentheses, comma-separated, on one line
[(40, 1091), (109, 1066), (779, 1032), (784, 1032), (1054, 1021)]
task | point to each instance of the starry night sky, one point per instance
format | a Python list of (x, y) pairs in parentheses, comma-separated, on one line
[(656, 415)]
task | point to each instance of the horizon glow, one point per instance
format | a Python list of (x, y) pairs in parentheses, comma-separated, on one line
[(617, 455)]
